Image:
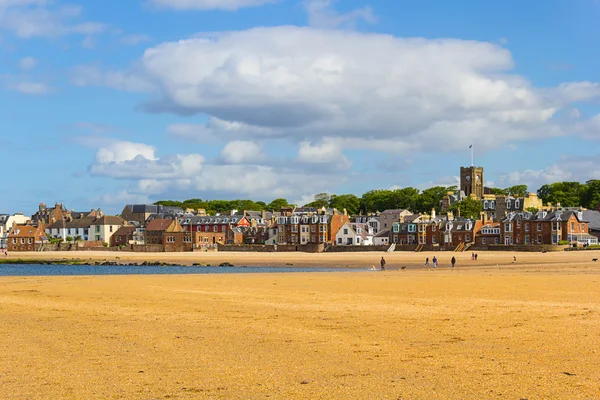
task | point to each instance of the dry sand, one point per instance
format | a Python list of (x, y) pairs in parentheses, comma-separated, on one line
[(527, 331)]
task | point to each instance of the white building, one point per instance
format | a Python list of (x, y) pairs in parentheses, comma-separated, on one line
[(382, 238), (354, 234), (104, 227), (6, 224)]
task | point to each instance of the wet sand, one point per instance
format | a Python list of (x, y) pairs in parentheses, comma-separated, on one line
[(515, 332)]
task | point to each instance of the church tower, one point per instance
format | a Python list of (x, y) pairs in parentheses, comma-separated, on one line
[(471, 181)]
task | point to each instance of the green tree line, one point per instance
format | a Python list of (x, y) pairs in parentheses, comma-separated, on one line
[(568, 194)]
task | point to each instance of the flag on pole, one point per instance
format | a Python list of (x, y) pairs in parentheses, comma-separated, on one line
[(471, 146)]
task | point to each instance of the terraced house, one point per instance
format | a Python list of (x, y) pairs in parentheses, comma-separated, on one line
[(310, 228), (212, 231)]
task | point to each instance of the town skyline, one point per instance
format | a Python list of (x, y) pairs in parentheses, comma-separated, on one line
[(259, 99)]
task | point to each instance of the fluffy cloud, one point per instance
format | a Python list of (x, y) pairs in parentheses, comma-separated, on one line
[(35, 18), (376, 90), (569, 168), (120, 151), (242, 152), (208, 4), (326, 152)]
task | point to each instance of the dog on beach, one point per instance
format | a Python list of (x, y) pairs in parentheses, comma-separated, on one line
[(594, 259)]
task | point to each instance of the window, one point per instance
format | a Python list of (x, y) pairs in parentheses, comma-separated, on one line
[(22, 241), (322, 228), (294, 237), (572, 226), (324, 219), (433, 239), (485, 205), (295, 220), (321, 238), (110, 228), (507, 227), (526, 227), (526, 239), (518, 223), (396, 228), (14, 241), (496, 240), (483, 240), (216, 228), (412, 228), (539, 228), (395, 238), (97, 228), (294, 228), (539, 239), (313, 228), (467, 238), (345, 231), (339, 240)]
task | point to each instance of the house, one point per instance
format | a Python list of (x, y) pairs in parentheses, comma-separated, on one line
[(123, 236), (142, 212), (497, 207), (6, 224), (161, 231), (309, 228), (458, 231), (48, 216), (212, 231), (488, 234), (75, 229), (104, 227), (371, 220), (592, 217), (26, 237), (546, 228), (354, 234), (389, 217), (382, 238)]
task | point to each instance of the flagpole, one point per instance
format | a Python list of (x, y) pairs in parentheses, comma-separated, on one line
[(472, 164)]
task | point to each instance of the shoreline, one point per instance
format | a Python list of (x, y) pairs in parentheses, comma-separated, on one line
[(354, 260)]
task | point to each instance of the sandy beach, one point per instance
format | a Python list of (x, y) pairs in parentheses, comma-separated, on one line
[(525, 331), (394, 260)]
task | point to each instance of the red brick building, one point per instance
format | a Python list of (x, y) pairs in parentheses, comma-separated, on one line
[(123, 236), (157, 231), (26, 237), (309, 228)]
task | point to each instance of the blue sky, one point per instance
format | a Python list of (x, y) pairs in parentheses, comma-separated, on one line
[(103, 105)]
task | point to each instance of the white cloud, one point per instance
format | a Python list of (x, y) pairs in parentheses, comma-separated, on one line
[(121, 151), (31, 88), (121, 198), (321, 14), (327, 152), (569, 168), (216, 130), (27, 63), (372, 90), (37, 18), (242, 152), (92, 75), (208, 4)]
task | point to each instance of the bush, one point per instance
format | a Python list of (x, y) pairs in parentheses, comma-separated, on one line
[(564, 242), (69, 239)]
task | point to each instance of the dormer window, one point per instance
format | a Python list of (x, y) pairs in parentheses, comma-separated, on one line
[(323, 219), (295, 220), (396, 228), (517, 204), (492, 205), (469, 226), (485, 205)]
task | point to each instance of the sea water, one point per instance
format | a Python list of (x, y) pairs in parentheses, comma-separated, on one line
[(66, 270)]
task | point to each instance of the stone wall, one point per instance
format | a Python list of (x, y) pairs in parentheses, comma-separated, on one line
[(307, 248), (351, 249), (527, 248), (147, 248)]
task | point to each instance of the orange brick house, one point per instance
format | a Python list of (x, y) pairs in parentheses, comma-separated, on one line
[(26, 237)]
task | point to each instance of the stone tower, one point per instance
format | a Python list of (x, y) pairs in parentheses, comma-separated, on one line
[(471, 181)]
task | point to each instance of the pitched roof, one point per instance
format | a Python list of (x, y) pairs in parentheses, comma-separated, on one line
[(383, 233), (159, 224), (25, 231), (125, 231), (593, 219), (109, 220)]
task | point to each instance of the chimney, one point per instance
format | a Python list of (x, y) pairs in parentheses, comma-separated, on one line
[(263, 214), (450, 216), (458, 212), (345, 211), (433, 213)]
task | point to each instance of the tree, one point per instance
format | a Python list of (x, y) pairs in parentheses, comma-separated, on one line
[(405, 198), (430, 199), (277, 204), (320, 200), (377, 200), (469, 208), (69, 239), (568, 194), (591, 194), (532, 210), (345, 201), (517, 191), (498, 191)]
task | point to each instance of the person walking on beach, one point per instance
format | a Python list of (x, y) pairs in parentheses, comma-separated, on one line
[(427, 262), (472, 256), (382, 264), (475, 256), (514, 259), (434, 262), (453, 261)]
